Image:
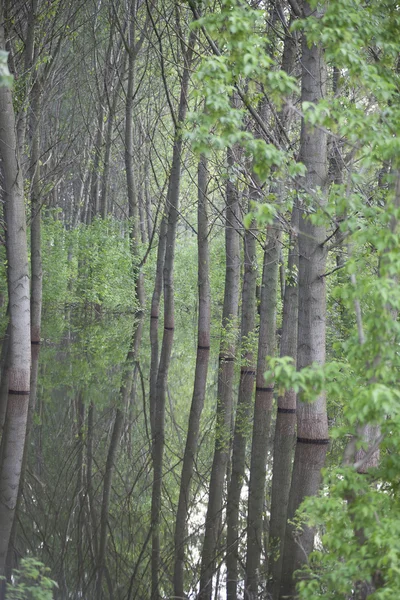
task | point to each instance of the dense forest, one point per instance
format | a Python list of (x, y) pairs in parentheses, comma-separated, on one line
[(199, 298)]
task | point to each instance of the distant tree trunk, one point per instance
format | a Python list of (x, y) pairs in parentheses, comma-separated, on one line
[(154, 315), (200, 380), (262, 409), (93, 205), (243, 412), (285, 421), (104, 203), (166, 348), (129, 129), (19, 362), (225, 390), (312, 423)]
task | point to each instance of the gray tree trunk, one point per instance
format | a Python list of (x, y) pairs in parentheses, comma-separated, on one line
[(166, 348), (19, 362), (243, 413), (312, 423), (224, 392), (285, 422), (262, 409), (200, 380)]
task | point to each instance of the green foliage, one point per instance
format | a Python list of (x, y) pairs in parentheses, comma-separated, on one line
[(241, 65), (6, 79), (31, 582)]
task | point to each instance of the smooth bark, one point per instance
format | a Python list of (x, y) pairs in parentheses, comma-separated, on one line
[(169, 323), (19, 363), (243, 413), (262, 409), (200, 379), (224, 392), (312, 423)]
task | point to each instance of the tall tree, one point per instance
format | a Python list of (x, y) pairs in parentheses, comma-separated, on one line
[(312, 422), (225, 389), (19, 361), (200, 379)]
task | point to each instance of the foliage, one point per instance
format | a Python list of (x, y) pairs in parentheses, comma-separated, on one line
[(6, 79), (31, 582)]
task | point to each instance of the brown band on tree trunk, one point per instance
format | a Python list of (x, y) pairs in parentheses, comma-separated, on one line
[(320, 442), (288, 411)]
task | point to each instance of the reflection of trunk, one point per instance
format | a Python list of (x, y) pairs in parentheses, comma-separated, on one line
[(166, 348), (225, 390), (312, 424), (80, 412), (242, 423), (92, 521), (285, 422), (262, 409), (112, 452), (13, 439), (200, 380)]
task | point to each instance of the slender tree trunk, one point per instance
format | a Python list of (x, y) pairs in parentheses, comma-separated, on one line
[(129, 131), (243, 413), (285, 422), (312, 423), (225, 390), (262, 409), (154, 315), (200, 380), (19, 363), (166, 348), (104, 204)]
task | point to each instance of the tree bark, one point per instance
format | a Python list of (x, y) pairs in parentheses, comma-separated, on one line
[(262, 409), (19, 363), (243, 411), (312, 423), (166, 348), (285, 422), (225, 390), (200, 380)]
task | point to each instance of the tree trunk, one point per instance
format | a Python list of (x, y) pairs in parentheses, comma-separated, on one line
[(200, 380), (285, 422), (312, 423), (262, 410), (166, 348), (19, 363), (243, 411), (36, 292), (225, 390)]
